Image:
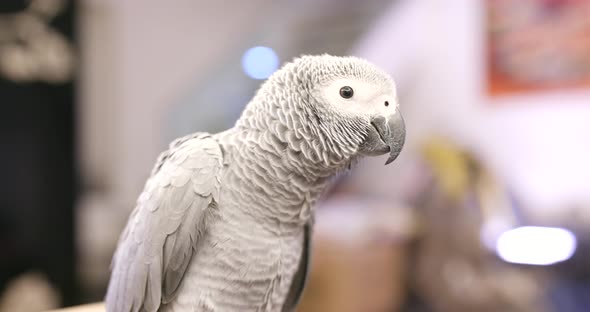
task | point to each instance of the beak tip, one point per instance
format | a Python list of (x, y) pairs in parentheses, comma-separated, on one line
[(390, 160), (393, 154)]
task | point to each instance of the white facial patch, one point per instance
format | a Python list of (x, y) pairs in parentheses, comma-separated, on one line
[(367, 99)]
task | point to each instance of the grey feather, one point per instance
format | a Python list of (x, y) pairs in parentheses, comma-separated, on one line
[(159, 241), (301, 276)]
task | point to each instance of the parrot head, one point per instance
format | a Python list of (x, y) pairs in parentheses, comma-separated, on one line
[(354, 94), (347, 103)]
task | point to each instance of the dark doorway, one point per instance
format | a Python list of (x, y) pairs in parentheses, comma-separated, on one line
[(37, 184)]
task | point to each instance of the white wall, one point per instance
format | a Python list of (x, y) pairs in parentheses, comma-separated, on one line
[(137, 56)]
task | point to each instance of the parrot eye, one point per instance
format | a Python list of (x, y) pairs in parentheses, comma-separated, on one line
[(346, 92)]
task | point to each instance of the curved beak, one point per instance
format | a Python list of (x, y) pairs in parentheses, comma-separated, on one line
[(392, 131)]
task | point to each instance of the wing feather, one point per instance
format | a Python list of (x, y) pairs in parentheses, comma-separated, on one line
[(160, 239), (301, 275)]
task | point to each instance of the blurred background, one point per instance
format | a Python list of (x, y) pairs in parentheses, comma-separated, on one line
[(487, 208)]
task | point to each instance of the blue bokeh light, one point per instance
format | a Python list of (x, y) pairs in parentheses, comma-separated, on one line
[(260, 62)]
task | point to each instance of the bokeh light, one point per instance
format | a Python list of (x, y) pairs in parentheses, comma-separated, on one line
[(260, 62), (536, 245)]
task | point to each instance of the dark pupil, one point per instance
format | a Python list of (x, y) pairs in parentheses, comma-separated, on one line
[(346, 92)]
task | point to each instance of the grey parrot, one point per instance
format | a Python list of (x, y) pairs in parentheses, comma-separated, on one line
[(224, 222)]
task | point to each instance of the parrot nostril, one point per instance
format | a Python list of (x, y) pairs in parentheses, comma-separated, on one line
[(386, 103)]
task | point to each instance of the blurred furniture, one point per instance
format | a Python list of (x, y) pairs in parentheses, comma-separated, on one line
[(358, 256), (353, 278)]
